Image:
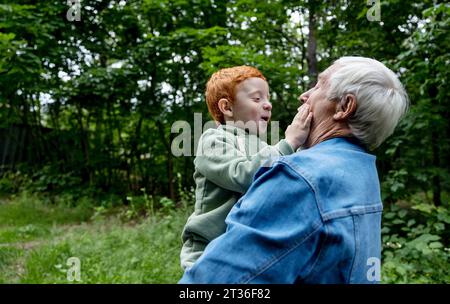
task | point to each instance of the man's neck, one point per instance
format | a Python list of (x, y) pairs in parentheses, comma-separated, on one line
[(337, 130)]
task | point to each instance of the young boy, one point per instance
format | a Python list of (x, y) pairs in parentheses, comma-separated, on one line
[(238, 99)]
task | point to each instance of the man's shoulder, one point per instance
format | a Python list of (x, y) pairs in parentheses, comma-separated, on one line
[(336, 161), (333, 152), (342, 174)]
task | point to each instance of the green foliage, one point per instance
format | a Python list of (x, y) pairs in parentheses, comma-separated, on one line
[(10, 182), (393, 186), (416, 246), (47, 179), (187, 197), (418, 154), (117, 80), (145, 206)]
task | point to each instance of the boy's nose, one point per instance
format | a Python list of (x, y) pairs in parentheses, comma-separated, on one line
[(267, 106)]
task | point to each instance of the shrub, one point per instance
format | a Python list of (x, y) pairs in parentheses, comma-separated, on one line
[(415, 244)]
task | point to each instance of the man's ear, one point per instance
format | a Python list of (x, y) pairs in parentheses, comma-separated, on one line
[(225, 107), (345, 108)]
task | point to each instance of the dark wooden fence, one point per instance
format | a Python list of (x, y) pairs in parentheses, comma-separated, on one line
[(33, 145)]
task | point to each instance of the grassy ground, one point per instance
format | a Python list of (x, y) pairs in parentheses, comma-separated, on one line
[(37, 239), (39, 234)]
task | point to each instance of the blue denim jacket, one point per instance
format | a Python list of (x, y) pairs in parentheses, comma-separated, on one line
[(311, 217)]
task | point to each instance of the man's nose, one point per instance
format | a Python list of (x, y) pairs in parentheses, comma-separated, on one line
[(304, 97)]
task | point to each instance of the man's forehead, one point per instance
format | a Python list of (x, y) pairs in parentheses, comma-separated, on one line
[(327, 72), (323, 77)]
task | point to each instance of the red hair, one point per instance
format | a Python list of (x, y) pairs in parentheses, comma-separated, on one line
[(223, 83)]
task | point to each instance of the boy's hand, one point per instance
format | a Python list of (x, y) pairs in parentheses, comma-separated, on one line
[(297, 132)]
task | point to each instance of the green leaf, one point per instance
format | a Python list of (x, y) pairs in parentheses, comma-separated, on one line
[(435, 245), (411, 222)]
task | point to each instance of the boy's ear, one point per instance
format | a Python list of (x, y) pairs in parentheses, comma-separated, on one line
[(345, 108), (225, 107)]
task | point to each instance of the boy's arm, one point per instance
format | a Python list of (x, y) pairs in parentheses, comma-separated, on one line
[(223, 164)]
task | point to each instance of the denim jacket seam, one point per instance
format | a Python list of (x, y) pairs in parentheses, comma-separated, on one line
[(358, 210), (307, 179), (317, 259), (356, 238), (316, 226)]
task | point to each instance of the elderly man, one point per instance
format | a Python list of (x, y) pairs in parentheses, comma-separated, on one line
[(315, 216)]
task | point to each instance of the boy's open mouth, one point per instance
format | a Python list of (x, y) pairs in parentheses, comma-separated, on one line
[(265, 118)]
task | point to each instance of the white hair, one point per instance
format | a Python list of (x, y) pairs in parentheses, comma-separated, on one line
[(381, 100)]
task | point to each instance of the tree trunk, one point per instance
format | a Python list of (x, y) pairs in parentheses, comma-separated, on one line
[(435, 145), (311, 57), (86, 172), (171, 186), (436, 164)]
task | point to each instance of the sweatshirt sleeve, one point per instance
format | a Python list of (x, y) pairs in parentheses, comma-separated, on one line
[(221, 161)]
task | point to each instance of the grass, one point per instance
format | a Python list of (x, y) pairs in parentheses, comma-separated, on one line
[(38, 235), (37, 239)]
